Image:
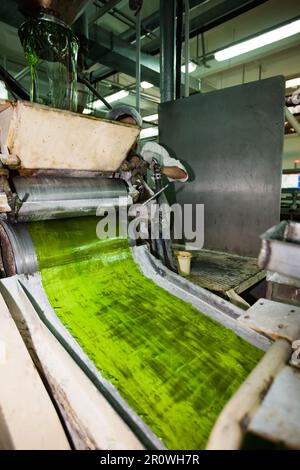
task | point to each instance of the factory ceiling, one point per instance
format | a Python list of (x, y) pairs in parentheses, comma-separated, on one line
[(214, 25)]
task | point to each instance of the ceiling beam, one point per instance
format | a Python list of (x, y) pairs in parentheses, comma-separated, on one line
[(221, 13), (105, 48), (111, 51), (10, 14), (152, 22), (213, 17), (103, 10)]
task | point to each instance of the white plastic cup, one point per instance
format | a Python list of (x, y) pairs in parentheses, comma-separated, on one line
[(184, 261)]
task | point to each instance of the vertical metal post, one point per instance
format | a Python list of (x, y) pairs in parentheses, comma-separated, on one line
[(138, 62), (179, 29), (167, 49), (81, 26), (187, 47)]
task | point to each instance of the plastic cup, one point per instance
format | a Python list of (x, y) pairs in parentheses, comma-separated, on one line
[(184, 261)]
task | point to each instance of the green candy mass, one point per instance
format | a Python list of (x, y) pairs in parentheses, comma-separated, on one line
[(174, 366)]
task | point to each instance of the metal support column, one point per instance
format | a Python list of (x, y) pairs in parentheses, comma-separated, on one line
[(179, 29), (187, 47), (138, 62), (167, 49)]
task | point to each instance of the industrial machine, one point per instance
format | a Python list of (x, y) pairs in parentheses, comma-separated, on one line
[(52, 179), (76, 312), (102, 346)]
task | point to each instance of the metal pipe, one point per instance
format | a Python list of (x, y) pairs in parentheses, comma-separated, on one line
[(138, 61), (179, 29), (203, 52), (167, 50), (187, 47), (292, 120), (94, 91)]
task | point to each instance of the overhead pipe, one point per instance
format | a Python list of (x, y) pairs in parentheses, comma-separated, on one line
[(179, 29), (138, 61), (167, 49), (187, 47), (84, 80)]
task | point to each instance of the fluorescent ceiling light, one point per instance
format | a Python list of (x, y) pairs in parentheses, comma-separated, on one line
[(259, 41), (192, 67), (149, 132), (293, 83), (146, 85), (111, 98), (151, 118)]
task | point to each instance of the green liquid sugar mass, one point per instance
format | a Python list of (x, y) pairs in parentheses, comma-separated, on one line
[(174, 366), (52, 44)]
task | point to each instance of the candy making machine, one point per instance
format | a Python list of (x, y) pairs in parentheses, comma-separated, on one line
[(101, 345)]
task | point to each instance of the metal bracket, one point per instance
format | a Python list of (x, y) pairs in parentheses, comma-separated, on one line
[(274, 319)]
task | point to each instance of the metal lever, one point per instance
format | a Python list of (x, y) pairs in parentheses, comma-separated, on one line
[(155, 195)]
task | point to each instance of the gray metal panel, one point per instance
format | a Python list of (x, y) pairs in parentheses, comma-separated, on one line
[(232, 142)]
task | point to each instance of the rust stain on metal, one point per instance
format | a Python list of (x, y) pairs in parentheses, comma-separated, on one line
[(65, 140)]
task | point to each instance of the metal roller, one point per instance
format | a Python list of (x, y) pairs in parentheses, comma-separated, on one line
[(42, 198), (17, 250)]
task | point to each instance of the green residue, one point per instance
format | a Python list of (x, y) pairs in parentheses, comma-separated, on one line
[(55, 45), (174, 366)]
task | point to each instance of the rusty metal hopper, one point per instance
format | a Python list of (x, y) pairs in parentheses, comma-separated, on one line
[(43, 138), (68, 10)]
